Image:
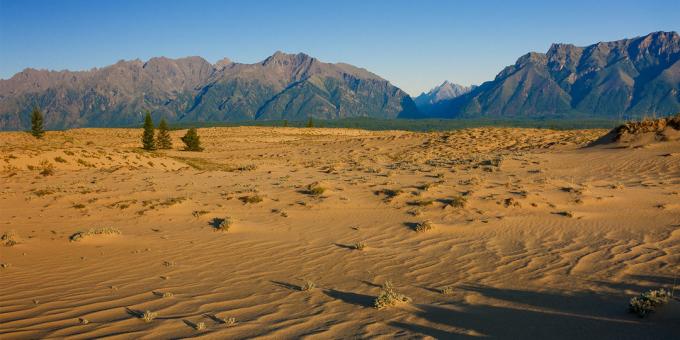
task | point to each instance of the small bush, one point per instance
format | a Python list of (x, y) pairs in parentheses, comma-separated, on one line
[(9, 239), (423, 226), (222, 224), (315, 189), (149, 316), (307, 286), (59, 159), (46, 168), (163, 294), (647, 302), (359, 245), (251, 199), (448, 290), (389, 297)]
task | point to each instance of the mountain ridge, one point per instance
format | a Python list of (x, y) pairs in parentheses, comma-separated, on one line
[(282, 86), (616, 79)]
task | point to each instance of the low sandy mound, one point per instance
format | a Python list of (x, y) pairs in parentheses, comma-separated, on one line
[(643, 132)]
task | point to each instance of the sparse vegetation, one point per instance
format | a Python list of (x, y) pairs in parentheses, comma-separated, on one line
[(389, 297), (81, 235), (251, 199), (163, 294), (361, 245), (307, 286), (59, 159), (315, 189), (9, 239), (222, 224), (149, 316), (648, 301), (423, 226), (46, 168), (448, 290)]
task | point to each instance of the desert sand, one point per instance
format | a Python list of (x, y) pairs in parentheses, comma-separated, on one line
[(529, 234)]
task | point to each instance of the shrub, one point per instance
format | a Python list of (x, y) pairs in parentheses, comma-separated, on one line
[(448, 290), (46, 168), (315, 189), (389, 297), (148, 316), (361, 245), (222, 224), (192, 141), (9, 239), (307, 286), (646, 303), (251, 199), (423, 226), (59, 159)]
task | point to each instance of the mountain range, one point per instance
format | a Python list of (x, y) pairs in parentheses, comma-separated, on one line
[(619, 79), (283, 86)]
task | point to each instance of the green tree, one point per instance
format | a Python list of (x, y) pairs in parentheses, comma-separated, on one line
[(163, 140), (148, 142), (310, 123), (37, 123), (192, 141), (285, 123)]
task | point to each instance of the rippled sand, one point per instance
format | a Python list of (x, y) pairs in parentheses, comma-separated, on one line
[(535, 235)]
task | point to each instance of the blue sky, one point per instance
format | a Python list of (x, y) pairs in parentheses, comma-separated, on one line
[(414, 44)]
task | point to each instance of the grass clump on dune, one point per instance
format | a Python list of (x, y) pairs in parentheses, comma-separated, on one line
[(423, 226), (9, 239), (94, 232), (315, 189), (251, 199), (389, 297)]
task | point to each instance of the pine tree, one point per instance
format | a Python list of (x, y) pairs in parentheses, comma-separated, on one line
[(310, 123), (147, 137), (37, 123), (163, 140), (192, 141)]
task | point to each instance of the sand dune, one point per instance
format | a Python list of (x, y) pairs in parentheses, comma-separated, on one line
[(534, 234)]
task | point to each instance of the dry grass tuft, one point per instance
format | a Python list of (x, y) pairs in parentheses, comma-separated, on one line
[(361, 245), (307, 286), (315, 189), (94, 232), (251, 199), (648, 301), (9, 239), (423, 226)]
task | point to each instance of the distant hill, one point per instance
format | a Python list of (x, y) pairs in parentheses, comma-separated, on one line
[(618, 79), (283, 86), (447, 90)]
